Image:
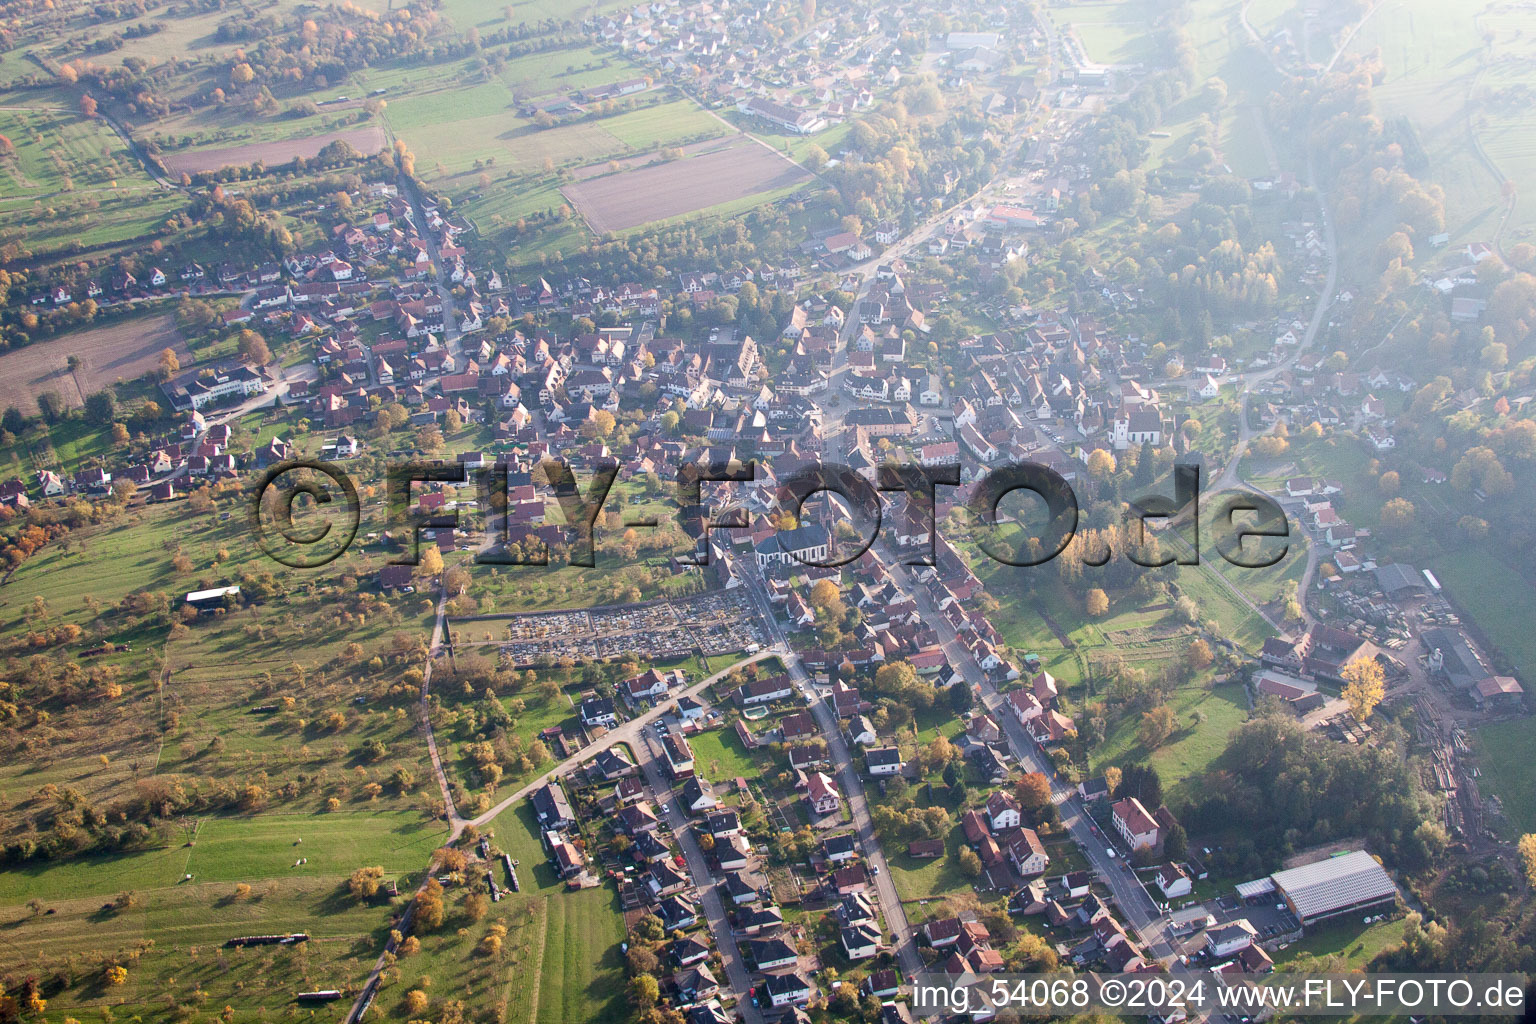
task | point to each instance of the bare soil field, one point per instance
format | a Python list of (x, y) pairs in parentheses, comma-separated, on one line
[(364, 140), (629, 163), (657, 192), (121, 351)]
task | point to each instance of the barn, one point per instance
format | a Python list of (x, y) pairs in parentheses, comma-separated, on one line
[(1338, 885)]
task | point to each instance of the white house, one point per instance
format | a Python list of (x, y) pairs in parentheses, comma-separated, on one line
[(786, 989), (1027, 853), (1229, 938), (1173, 881), (1002, 812), (1137, 827), (883, 760), (932, 393), (860, 941), (822, 793), (861, 731)]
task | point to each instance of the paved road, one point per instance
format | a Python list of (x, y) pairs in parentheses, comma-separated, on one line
[(456, 822), (1137, 907), (905, 947), (626, 732), (736, 972), (412, 192)]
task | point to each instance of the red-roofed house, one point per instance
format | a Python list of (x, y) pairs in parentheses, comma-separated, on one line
[(1137, 827)]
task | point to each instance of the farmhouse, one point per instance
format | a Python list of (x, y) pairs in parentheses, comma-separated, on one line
[(1300, 695), (1498, 693), (212, 600)]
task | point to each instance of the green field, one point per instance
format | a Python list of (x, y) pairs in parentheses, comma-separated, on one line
[(459, 117), (1504, 756), (719, 756), (573, 968), (244, 849), (172, 942), (59, 150), (662, 124), (929, 879), (1433, 55), (581, 974), (185, 921), (1183, 760), (1117, 32), (1347, 938), (71, 183), (469, 13)]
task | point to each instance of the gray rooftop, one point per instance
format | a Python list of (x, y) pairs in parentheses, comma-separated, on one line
[(1335, 884)]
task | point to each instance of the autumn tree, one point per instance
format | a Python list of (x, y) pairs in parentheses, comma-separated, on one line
[(1112, 778), (1200, 656), (1101, 464), (253, 348), (1397, 516), (825, 596), (429, 906), (1364, 686), (490, 943), (1033, 791), (1157, 726), (970, 864), (168, 365), (1097, 602), (431, 562), (364, 883), (599, 425), (1527, 850), (895, 677)]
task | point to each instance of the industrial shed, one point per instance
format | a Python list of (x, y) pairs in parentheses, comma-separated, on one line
[(1338, 885)]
